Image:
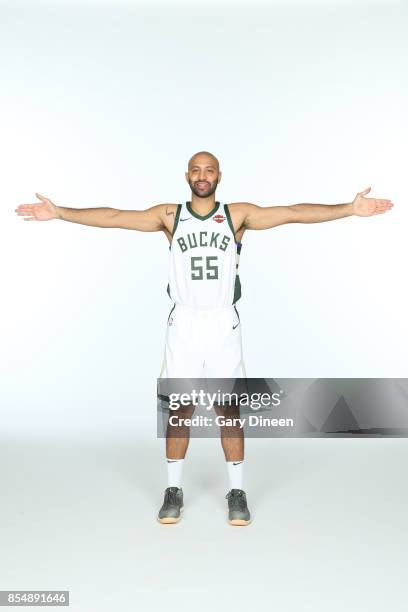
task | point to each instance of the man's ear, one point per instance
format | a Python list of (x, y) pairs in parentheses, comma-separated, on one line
[(186, 175), (219, 176)]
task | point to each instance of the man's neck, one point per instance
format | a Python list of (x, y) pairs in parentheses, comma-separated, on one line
[(202, 205)]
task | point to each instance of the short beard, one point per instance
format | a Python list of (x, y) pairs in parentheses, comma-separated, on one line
[(207, 193)]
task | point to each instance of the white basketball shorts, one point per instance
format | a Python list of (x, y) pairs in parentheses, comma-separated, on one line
[(203, 344)]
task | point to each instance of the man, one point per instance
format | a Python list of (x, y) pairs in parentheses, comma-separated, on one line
[(203, 335)]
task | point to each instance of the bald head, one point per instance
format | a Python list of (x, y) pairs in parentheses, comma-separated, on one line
[(204, 158)]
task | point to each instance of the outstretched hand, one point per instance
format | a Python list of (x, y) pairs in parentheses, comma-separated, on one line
[(45, 210), (366, 207)]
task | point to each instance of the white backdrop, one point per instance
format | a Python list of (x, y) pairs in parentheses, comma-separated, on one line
[(104, 103)]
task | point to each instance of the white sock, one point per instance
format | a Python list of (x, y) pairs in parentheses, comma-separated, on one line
[(235, 469), (174, 470)]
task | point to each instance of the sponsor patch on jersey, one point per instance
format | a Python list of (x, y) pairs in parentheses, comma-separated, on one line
[(219, 218)]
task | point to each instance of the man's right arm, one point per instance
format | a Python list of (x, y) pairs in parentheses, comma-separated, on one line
[(148, 220), (153, 219)]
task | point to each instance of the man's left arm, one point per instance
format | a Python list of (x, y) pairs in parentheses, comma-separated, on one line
[(258, 217)]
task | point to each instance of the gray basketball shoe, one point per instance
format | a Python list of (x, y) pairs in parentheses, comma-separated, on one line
[(172, 505), (238, 513)]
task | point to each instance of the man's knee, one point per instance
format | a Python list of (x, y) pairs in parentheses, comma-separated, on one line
[(229, 411), (178, 417)]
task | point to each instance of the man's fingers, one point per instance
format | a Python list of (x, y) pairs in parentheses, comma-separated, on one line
[(24, 211), (43, 198), (386, 203), (361, 193), (380, 209)]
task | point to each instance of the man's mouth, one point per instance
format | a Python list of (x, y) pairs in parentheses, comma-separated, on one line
[(202, 185)]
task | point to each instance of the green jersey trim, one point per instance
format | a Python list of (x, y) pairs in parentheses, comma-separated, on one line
[(228, 215), (238, 246), (176, 218), (202, 217), (237, 290)]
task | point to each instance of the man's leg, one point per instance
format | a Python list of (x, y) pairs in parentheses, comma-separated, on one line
[(226, 361), (177, 440), (182, 360), (232, 435), (178, 434), (232, 440)]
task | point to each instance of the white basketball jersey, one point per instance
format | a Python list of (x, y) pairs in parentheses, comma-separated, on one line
[(204, 259)]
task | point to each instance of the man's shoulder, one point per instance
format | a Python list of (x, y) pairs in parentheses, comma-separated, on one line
[(239, 206), (239, 210), (169, 205), (168, 208)]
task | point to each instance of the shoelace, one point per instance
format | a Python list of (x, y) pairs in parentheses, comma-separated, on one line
[(171, 497), (237, 500)]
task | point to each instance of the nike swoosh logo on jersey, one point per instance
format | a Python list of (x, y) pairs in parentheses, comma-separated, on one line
[(185, 219), (234, 326)]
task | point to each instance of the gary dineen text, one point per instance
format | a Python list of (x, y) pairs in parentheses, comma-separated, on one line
[(252, 420)]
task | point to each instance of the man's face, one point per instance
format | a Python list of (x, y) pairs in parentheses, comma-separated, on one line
[(203, 176)]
